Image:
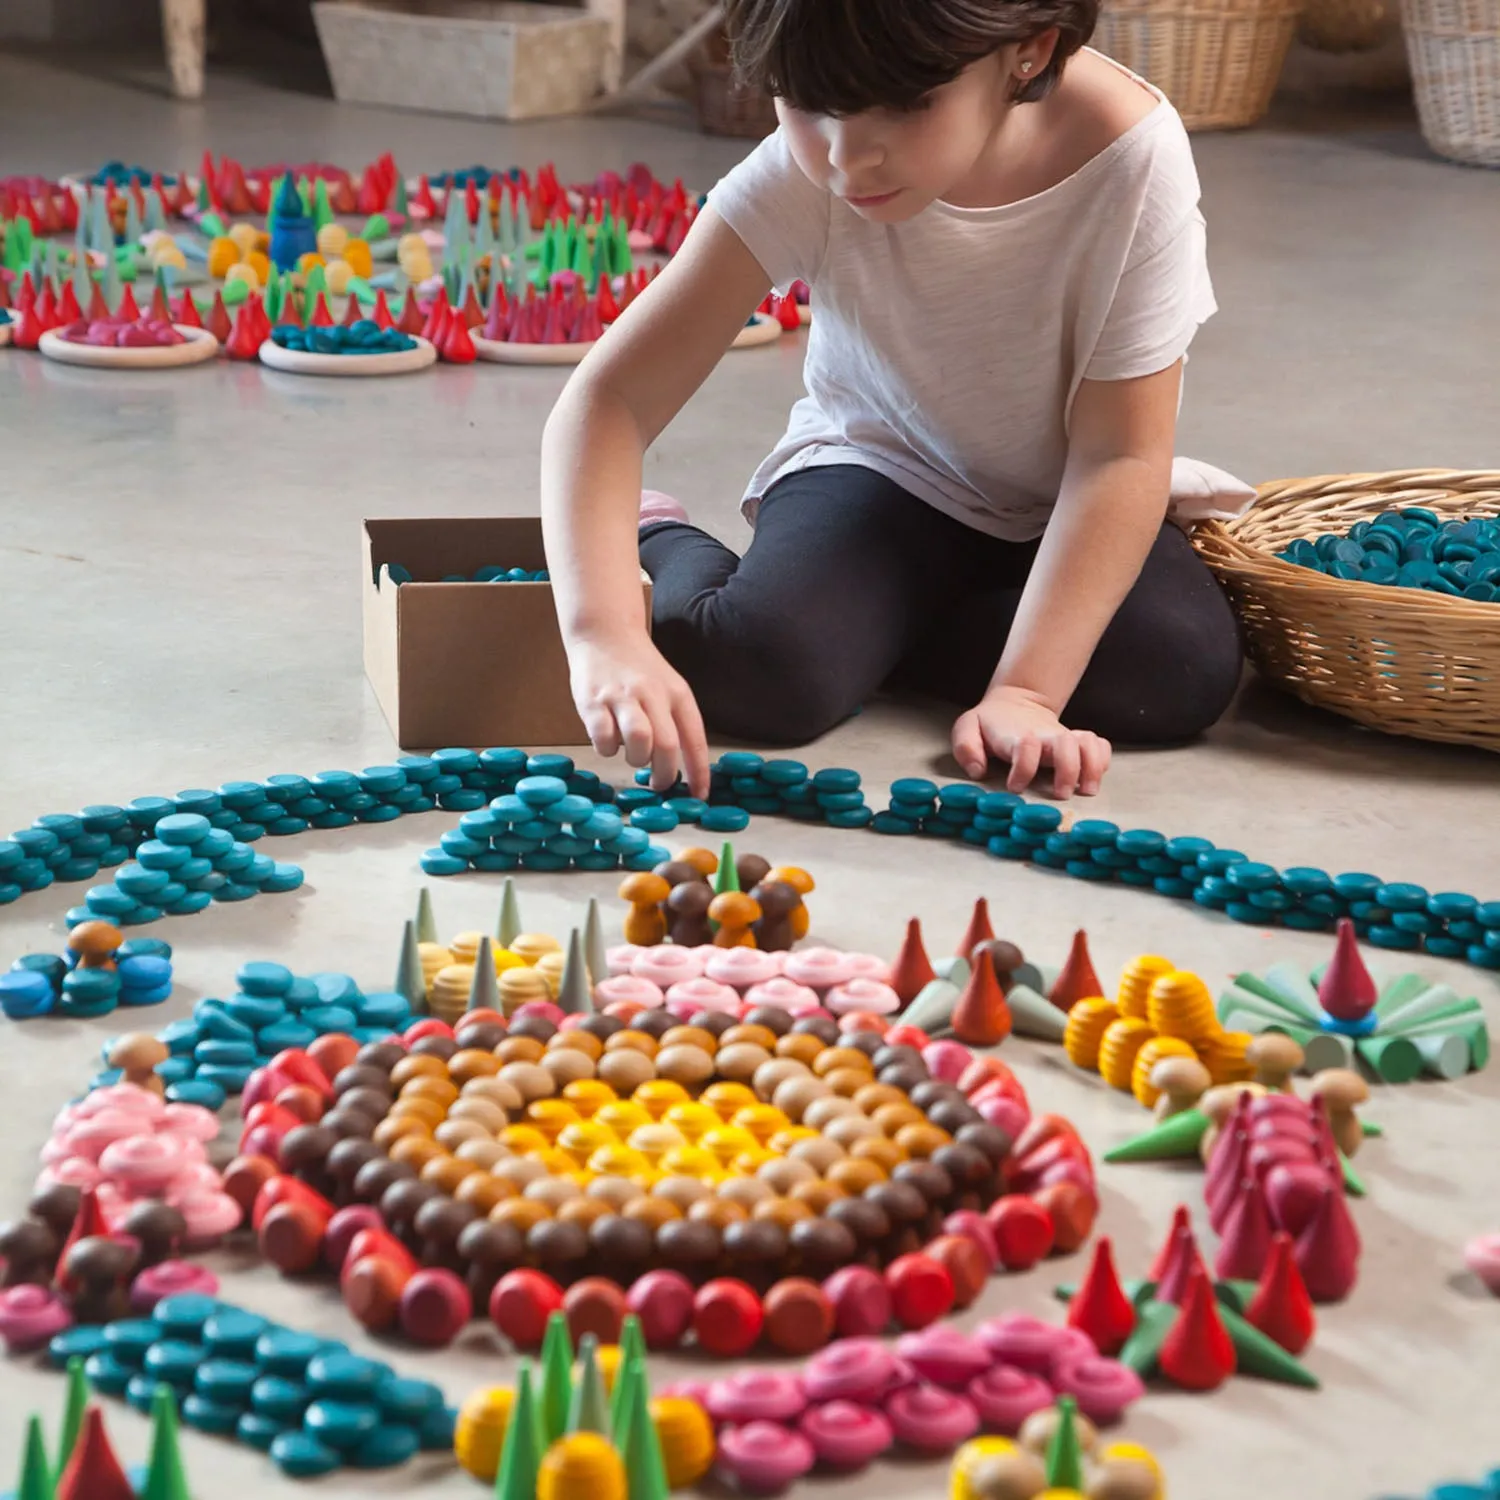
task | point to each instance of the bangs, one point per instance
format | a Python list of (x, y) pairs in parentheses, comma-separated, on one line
[(843, 57)]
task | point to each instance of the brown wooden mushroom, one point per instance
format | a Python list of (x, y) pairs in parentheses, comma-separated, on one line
[(1275, 1057), (736, 913), (1183, 1081), (645, 926), (1342, 1091)]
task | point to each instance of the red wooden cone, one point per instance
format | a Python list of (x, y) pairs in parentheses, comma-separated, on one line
[(912, 971), (471, 201), (436, 317), (590, 325), (981, 1017), (371, 197), (1281, 1308), (473, 313), (1246, 1235), (458, 347), (411, 320), (1198, 1353), (1347, 991), (159, 306), (68, 310), (556, 329), (1185, 1263), (382, 313), (88, 1223), (187, 312), (1226, 1169), (609, 309), (498, 316), (69, 213), (50, 217), (93, 1472), (291, 308), (979, 930), (46, 305), (322, 317), (420, 202), (1328, 1250), (28, 328), (341, 198), (244, 339), (1100, 1307), (218, 319), (1181, 1224), (352, 313), (787, 314), (1077, 981)]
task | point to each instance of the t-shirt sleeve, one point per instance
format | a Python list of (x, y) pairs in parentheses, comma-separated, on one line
[(776, 211), (1164, 290)]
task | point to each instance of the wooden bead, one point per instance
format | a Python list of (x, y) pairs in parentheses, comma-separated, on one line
[(524, 1213), (520, 1049), (465, 1066), (799, 1046), (416, 1065)]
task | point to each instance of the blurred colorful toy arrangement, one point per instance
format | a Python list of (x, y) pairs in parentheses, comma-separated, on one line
[(479, 264)]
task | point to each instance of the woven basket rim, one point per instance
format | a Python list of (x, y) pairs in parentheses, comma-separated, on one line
[(1228, 552)]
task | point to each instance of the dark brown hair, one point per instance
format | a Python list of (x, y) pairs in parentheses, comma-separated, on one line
[(842, 57)]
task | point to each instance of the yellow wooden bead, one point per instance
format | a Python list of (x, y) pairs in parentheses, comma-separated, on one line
[(550, 1115), (750, 1162), (1088, 1020), (166, 252), (607, 1357), (357, 253), (520, 986), (623, 1115), (968, 1457), (550, 967), (581, 1466), (339, 274), (479, 1434), (305, 263), (690, 1161), (784, 1140), (1153, 1052), (658, 1095), (687, 1439), (618, 1160), (260, 263), (727, 1142), (222, 254), (1180, 1005), (1224, 1056), (331, 240), (523, 1139), (589, 1095), (761, 1120), (244, 237), (654, 1141), (532, 946), (583, 1138), (448, 994), (434, 957), (728, 1098), (244, 272), (1136, 982), (692, 1119), (1122, 1040)]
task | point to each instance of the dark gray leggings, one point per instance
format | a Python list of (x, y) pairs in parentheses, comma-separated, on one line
[(851, 584)]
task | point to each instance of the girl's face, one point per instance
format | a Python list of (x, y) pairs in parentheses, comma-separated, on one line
[(889, 165)]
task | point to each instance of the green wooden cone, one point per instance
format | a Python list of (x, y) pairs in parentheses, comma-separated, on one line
[(426, 925), (1033, 1014), (1398, 991), (1153, 1323), (36, 1481), (1064, 1461), (1395, 1059), (1239, 996), (165, 1476), (1288, 987), (632, 1340), (521, 1456), (508, 924), (410, 981), (399, 197), (589, 1409), (645, 1473), (1135, 1288), (1328, 1049), (1477, 1034), (1432, 1004), (1236, 1295), (574, 995), (377, 227), (1255, 1354), (933, 1006), (1176, 1137), (595, 954), (557, 1377), (952, 968), (1353, 1183), (726, 877), (484, 992), (74, 1406), (1373, 1132)]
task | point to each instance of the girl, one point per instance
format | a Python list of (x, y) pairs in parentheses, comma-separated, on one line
[(1002, 236)]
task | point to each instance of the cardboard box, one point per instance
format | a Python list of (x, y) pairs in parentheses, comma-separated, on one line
[(474, 664)]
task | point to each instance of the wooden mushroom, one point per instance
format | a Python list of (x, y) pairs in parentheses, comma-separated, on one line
[(1275, 1057), (1218, 1104), (1342, 1091), (1123, 1479), (1183, 1081), (646, 926), (735, 913)]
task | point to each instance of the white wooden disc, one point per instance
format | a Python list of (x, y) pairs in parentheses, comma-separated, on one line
[(762, 329), (298, 362), (499, 352), (201, 345)]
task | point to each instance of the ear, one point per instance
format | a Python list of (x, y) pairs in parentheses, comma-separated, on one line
[(1032, 57)]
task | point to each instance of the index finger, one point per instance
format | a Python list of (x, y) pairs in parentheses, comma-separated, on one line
[(694, 742)]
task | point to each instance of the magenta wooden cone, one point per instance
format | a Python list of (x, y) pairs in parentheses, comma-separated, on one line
[(1347, 991), (1185, 1261), (1226, 1168), (1247, 1232), (1182, 1223), (1328, 1250)]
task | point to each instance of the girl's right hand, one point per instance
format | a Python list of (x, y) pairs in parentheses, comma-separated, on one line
[(628, 696)]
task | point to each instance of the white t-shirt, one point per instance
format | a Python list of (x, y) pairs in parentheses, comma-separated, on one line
[(945, 352)]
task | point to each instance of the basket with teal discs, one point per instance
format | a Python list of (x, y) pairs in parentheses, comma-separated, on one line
[(1376, 596)]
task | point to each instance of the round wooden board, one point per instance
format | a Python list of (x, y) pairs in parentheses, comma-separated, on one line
[(201, 345), (296, 362), (763, 330)]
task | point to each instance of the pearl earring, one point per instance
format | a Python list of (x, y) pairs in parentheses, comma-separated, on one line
[(1025, 67)]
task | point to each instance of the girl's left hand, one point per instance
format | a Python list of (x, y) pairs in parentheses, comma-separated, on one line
[(1011, 725)]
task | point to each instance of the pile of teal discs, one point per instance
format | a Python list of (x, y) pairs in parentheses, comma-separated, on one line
[(365, 336), (491, 573), (1410, 549)]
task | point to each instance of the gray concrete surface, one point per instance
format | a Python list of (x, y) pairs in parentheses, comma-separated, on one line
[(178, 606)]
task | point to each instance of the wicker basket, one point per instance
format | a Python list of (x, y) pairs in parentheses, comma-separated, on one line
[(1405, 661), (1216, 60), (1454, 47), (1344, 25)]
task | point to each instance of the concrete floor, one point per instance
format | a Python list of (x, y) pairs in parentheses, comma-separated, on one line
[(178, 607)]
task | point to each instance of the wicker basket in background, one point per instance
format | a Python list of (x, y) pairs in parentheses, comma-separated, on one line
[(1216, 60), (1406, 661), (1454, 46)]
